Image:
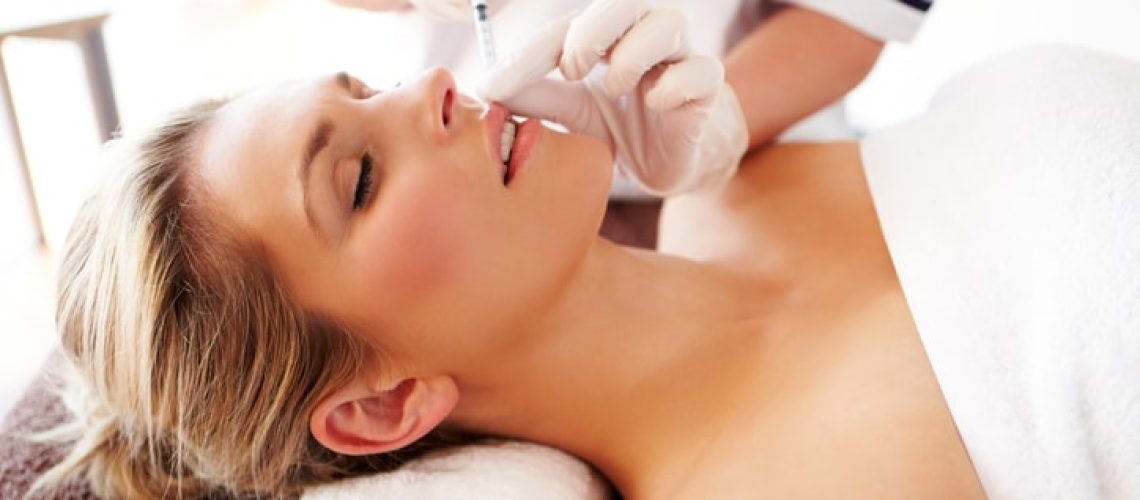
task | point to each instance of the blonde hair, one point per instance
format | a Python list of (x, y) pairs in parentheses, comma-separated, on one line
[(193, 372)]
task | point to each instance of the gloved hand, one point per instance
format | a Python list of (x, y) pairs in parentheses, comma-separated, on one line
[(668, 116)]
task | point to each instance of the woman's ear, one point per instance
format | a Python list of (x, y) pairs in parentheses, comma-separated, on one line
[(361, 420)]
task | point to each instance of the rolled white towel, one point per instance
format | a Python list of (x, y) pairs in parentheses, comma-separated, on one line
[(496, 471)]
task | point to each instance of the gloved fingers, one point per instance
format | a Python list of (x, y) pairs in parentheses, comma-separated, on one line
[(657, 38), (593, 32), (691, 81), (527, 65), (562, 102)]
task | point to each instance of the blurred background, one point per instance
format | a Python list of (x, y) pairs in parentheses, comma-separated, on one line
[(163, 54)]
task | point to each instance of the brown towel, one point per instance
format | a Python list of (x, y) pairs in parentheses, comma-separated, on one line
[(632, 223), (22, 461)]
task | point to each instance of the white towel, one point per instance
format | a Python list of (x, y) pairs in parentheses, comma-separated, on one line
[(497, 471), (1012, 213)]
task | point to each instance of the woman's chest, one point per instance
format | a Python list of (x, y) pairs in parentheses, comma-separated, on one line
[(846, 405), (845, 408)]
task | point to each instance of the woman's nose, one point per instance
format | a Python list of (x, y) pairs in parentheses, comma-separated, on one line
[(435, 91)]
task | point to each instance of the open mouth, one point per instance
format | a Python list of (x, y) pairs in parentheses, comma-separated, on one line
[(512, 142), (506, 147)]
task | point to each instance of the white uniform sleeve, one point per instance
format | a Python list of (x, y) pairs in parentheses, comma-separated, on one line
[(886, 20)]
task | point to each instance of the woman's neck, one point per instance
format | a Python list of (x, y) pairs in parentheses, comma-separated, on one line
[(629, 368)]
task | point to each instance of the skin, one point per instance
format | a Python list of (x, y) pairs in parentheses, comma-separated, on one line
[(806, 60), (375, 5), (419, 243), (767, 350)]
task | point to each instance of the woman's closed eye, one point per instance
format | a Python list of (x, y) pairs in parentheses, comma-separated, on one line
[(363, 183)]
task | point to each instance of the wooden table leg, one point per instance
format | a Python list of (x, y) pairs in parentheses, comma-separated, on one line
[(21, 154)]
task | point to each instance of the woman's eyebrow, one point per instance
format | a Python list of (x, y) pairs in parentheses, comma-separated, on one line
[(317, 141)]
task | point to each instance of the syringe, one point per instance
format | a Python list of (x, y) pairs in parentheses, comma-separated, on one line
[(483, 32)]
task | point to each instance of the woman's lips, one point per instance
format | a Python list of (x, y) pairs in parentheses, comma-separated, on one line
[(526, 137), (495, 117)]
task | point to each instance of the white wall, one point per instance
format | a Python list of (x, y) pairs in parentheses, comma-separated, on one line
[(173, 51)]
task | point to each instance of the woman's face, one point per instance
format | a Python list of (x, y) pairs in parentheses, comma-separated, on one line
[(389, 210)]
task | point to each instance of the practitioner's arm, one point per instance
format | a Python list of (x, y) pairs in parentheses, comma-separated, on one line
[(448, 10), (794, 64), (375, 5)]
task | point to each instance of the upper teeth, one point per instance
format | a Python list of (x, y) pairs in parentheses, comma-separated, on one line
[(507, 140)]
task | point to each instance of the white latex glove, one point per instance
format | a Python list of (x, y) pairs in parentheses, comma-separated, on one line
[(673, 124), (453, 10)]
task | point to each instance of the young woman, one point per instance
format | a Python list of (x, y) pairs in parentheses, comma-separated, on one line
[(318, 280)]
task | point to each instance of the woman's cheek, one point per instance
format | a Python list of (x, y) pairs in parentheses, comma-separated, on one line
[(412, 249)]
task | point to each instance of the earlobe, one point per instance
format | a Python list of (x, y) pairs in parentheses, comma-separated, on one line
[(359, 420)]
